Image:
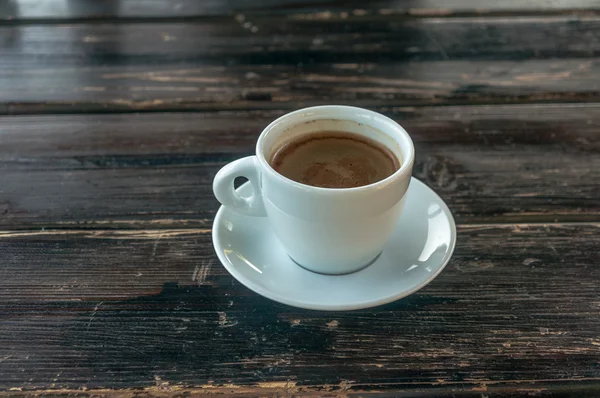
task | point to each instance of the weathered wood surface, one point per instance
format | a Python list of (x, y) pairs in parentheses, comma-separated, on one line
[(272, 40), (109, 285), (267, 63), (168, 88), (31, 11), (491, 164), (517, 303)]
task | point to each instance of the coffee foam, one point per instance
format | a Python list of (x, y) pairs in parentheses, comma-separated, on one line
[(333, 159)]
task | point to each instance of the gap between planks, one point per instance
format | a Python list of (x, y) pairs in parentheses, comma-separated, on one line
[(163, 233), (165, 106), (332, 14), (350, 388)]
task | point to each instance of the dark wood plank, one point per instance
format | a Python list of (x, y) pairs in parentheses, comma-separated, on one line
[(273, 40), (491, 164), (579, 389), (266, 61), (116, 309), (167, 88), (90, 10)]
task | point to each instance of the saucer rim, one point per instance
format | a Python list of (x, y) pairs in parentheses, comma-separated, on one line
[(337, 307)]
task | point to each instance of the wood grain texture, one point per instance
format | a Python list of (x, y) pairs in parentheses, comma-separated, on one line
[(581, 389), (491, 164), (109, 285), (111, 309), (273, 40), (265, 62), (89, 10), (169, 88)]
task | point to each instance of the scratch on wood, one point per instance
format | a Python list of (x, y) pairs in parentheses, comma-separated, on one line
[(551, 246), (94, 314), (230, 389), (138, 103), (374, 80), (322, 15), (544, 331), (160, 384), (534, 77), (285, 385), (108, 234), (191, 79), (220, 386), (155, 246), (157, 221), (224, 322), (164, 88), (481, 388), (332, 325), (345, 385), (529, 261), (201, 272)]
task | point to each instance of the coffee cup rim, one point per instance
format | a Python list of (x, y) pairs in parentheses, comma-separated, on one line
[(406, 146)]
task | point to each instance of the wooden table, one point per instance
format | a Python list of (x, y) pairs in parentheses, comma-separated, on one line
[(117, 114)]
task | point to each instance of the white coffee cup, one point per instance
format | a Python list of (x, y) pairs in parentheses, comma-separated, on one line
[(326, 230)]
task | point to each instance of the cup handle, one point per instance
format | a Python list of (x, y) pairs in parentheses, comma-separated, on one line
[(226, 193)]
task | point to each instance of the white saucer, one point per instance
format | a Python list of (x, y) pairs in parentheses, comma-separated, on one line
[(418, 250)]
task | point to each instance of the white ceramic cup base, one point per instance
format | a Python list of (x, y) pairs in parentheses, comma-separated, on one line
[(308, 267), (419, 247)]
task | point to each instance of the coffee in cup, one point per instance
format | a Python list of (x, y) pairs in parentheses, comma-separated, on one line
[(334, 159)]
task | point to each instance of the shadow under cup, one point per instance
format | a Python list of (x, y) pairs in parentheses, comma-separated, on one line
[(334, 230)]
